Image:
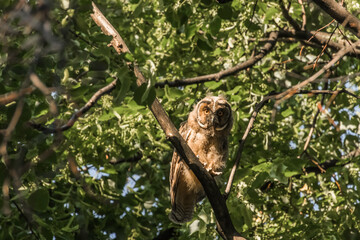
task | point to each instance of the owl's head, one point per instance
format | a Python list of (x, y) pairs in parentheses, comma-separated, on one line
[(214, 113)]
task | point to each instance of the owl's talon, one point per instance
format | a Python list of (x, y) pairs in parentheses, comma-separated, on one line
[(216, 173), (207, 168)]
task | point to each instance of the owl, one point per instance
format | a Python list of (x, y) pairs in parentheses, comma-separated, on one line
[(206, 132)]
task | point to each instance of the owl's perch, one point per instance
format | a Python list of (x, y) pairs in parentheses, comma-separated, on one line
[(225, 225)]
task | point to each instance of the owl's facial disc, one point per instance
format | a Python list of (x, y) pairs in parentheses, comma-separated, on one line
[(214, 114), (204, 114), (222, 116), (221, 128)]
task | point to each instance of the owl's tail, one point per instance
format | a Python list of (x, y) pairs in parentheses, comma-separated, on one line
[(182, 210)]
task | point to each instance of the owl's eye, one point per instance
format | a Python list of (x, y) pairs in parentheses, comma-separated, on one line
[(206, 110), (220, 113)]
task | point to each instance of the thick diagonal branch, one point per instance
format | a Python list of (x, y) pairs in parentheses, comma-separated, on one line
[(216, 200), (340, 14)]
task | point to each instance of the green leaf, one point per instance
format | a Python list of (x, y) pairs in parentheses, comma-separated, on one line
[(138, 94), (287, 112), (145, 94), (263, 167), (225, 12), (215, 26), (213, 85), (271, 13), (204, 45), (251, 26), (106, 116), (101, 65), (128, 57), (190, 30), (39, 200)]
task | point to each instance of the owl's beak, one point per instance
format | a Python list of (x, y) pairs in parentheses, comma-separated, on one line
[(215, 120)]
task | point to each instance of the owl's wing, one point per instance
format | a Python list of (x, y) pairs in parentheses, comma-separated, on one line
[(176, 165), (183, 200)]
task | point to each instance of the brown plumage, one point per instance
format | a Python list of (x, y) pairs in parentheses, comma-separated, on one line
[(206, 132)]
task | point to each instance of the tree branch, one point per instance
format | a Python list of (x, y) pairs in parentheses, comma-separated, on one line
[(12, 96), (45, 90), (288, 93), (216, 200), (303, 15), (258, 107), (74, 170), (254, 114), (135, 158), (77, 114), (340, 14), (271, 41), (320, 38), (286, 14)]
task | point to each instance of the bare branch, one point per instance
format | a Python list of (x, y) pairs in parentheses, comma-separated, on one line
[(42, 87), (312, 127), (29, 222), (288, 93), (254, 114), (76, 115), (335, 79), (320, 38), (286, 14), (270, 43), (7, 134), (74, 169), (12, 96), (340, 14), (135, 158), (258, 107), (303, 14), (212, 191)]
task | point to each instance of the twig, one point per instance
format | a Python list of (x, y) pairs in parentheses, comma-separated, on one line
[(14, 120), (135, 158), (74, 169), (271, 41), (212, 191), (76, 115), (41, 86), (312, 128), (28, 222), (330, 119), (253, 11), (286, 14), (254, 114), (336, 182), (12, 96), (319, 80), (317, 37), (322, 170), (336, 11), (325, 46), (288, 93), (258, 107), (303, 13)]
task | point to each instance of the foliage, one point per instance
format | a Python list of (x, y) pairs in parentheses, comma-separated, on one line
[(278, 191)]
